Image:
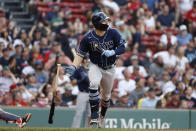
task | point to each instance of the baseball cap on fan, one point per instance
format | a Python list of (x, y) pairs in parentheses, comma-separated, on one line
[(122, 94), (183, 27), (151, 89), (119, 23), (174, 92), (5, 49), (68, 87), (28, 70), (55, 43), (18, 42), (134, 57)]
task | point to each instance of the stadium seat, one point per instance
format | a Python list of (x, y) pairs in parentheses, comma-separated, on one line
[(155, 32), (85, 1), (147, 38), (44, 10), (124, 12), (88, 6), (67, 1), (126, 55), (69, 4), (77, 11), (149, 43), (74, 16), (42, 4), (157, 38)]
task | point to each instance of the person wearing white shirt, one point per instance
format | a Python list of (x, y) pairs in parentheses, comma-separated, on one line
[(118, 70), (185, 5), (168, 56), (194, 91), (6, 79), (193, 85), (170, 85), (149, 19), (182, 61), (126, 85), (168, 38), (63, 80), (111, 4), (2, 41), (135, 61)]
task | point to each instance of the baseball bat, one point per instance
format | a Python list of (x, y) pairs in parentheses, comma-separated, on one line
[(73, 51), (52, 107)]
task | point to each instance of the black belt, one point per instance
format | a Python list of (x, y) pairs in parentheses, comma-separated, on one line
[(84, 91), (108, 67)]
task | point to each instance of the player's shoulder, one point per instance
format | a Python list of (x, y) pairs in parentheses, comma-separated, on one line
[(88, 35), (113, 30)]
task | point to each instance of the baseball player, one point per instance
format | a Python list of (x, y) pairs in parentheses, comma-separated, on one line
[(103, 44), (12, 118), (80, 78)]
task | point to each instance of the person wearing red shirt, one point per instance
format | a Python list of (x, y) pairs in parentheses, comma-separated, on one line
[(17, 100), (191, 15), (135, 4), (175, 100), (35, 54)]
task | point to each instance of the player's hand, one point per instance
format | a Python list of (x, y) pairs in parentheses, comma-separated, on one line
[(108, 53), (70, 70)]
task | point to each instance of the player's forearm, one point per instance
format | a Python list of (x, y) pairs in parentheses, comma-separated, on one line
[(120, 50), (77, 61)]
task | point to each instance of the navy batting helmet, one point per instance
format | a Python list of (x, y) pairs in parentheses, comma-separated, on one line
[(97, 19)]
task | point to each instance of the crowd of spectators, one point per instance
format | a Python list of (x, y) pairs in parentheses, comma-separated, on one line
[(157, 70)]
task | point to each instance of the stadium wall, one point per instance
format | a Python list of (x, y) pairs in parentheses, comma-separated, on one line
[(116, 118)]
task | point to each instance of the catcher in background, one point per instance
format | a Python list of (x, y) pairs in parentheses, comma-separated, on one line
[(12, 118), (103, 44)]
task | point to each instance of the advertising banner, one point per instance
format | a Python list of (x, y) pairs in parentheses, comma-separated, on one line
[(115, 118)]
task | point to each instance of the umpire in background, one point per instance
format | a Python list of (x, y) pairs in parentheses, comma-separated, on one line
[(80, 78)]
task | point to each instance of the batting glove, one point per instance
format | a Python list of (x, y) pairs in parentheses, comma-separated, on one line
[(108, 53), (70, 70)]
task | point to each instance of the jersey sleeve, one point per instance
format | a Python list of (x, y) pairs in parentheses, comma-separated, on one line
[(119, 43), (75, 75), (118, 38), (83, 48)]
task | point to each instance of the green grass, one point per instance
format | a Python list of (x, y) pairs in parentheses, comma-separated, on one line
[(72, 129)]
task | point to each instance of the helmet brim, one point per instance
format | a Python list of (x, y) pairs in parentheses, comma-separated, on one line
[(107, 18)]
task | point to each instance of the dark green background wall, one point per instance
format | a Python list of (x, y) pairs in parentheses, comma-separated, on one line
[(116, 118)]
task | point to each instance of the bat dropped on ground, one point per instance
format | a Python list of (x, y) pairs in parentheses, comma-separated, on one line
[(52, 108)]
